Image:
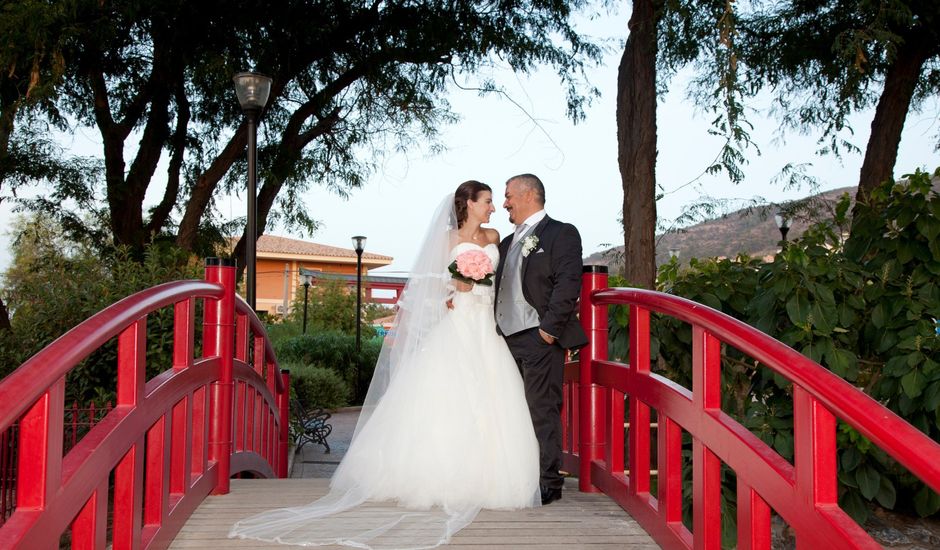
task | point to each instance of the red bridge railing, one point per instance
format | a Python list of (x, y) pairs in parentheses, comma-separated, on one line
[(804, 493), (167, 443)]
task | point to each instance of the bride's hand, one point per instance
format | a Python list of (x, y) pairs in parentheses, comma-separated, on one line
[(461, 286)]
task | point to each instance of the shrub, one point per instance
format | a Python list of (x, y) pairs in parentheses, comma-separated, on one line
[(334, 350), (317, 386), (279, 330), (53, 285), (865, 309), (330, 307)]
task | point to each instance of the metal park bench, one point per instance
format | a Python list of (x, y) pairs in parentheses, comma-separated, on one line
[(310, 427)]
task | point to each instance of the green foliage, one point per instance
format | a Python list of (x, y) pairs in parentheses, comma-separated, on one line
[(333, 350), (53, 285), (330, 307), (280, 329), (353, 80), (317, 386), (866, 310), (826, 60)]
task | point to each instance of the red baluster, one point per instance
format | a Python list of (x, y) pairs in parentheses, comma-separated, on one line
[(219, 341), (592, 404), (283, 404), (638, 435)]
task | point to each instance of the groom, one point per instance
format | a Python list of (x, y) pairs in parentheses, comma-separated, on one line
[(538, 283)]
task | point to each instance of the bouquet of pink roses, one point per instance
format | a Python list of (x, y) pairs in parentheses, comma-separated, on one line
[(472, 266)]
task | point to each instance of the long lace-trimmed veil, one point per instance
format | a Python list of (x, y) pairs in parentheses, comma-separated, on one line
[(345, 516)]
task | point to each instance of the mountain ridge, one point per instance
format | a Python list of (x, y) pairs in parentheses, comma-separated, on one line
[(751, 230)]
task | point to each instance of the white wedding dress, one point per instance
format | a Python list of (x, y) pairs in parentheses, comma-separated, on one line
[(451, 435)]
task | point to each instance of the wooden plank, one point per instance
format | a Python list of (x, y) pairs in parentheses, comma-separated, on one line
[(579, 520)]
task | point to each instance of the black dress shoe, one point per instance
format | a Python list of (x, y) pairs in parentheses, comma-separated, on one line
[(550, 494)]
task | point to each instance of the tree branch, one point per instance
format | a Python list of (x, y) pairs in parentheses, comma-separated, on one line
[(160, 214)]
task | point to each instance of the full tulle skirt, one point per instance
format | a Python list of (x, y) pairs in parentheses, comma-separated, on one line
[(451, 435)]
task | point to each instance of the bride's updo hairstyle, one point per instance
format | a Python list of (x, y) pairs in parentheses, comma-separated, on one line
[(467, 191)]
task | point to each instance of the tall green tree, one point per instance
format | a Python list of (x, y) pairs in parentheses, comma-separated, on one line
[(351, 79)]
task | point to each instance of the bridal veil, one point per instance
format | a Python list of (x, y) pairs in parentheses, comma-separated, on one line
[(345, 515)]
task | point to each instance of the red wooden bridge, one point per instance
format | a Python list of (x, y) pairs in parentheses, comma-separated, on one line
[(220, 409)]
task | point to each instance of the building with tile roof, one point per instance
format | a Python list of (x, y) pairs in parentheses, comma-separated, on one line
[(280, 259)]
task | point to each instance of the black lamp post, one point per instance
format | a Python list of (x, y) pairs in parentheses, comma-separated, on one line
[(359, 243), (783, 224), (252, 90), (306, 282)]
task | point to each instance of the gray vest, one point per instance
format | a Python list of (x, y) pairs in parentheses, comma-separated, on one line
[(513, 313)]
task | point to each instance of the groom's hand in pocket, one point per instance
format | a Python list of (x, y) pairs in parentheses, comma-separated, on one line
[(548, 338)]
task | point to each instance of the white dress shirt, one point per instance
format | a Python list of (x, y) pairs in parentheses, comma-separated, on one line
[(529, 222)]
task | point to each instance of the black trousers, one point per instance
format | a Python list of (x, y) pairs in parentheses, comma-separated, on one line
[(543, 372)]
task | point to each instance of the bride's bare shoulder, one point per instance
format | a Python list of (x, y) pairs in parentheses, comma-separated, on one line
[(492, 236)]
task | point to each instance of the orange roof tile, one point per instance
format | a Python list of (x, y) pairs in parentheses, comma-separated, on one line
[(282, 245)]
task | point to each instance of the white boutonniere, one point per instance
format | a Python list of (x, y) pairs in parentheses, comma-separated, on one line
[(528, 244)]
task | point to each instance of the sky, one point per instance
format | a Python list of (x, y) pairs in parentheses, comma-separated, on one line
[(496, 138)]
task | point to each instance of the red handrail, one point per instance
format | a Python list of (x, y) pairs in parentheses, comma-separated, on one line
[(168, 441), (804, 493)]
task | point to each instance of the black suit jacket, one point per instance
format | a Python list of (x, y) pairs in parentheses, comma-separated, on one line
[(551, 279)]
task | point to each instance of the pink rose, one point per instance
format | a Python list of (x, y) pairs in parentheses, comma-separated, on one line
[(474, 264)]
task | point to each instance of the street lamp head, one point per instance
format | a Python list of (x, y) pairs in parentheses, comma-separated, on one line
[(783, 221), (674, 252), (305, 279), (359, 243), (253, 90), (783, 224)]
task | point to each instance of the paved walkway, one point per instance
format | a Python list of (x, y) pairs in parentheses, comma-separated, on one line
[(312, 461)]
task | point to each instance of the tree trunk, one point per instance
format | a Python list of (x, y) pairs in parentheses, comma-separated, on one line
[(636, 140), (893, 105), (7, 115), (160, 215)]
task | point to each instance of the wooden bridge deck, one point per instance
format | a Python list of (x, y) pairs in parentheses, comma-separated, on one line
[(579, 520)]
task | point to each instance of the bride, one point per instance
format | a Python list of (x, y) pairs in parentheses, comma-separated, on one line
[(444, 430)]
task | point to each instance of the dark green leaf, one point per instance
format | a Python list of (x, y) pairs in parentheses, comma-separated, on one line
[(851, 458), (869, 481), (928, 226), (783, 444), (926, 502), (710, 300), (841, 361), (886, 495), (854, 506), (932, 396), (878, 316), (798, 309)]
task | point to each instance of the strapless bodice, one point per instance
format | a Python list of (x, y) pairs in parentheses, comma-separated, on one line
[(491, 250)]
